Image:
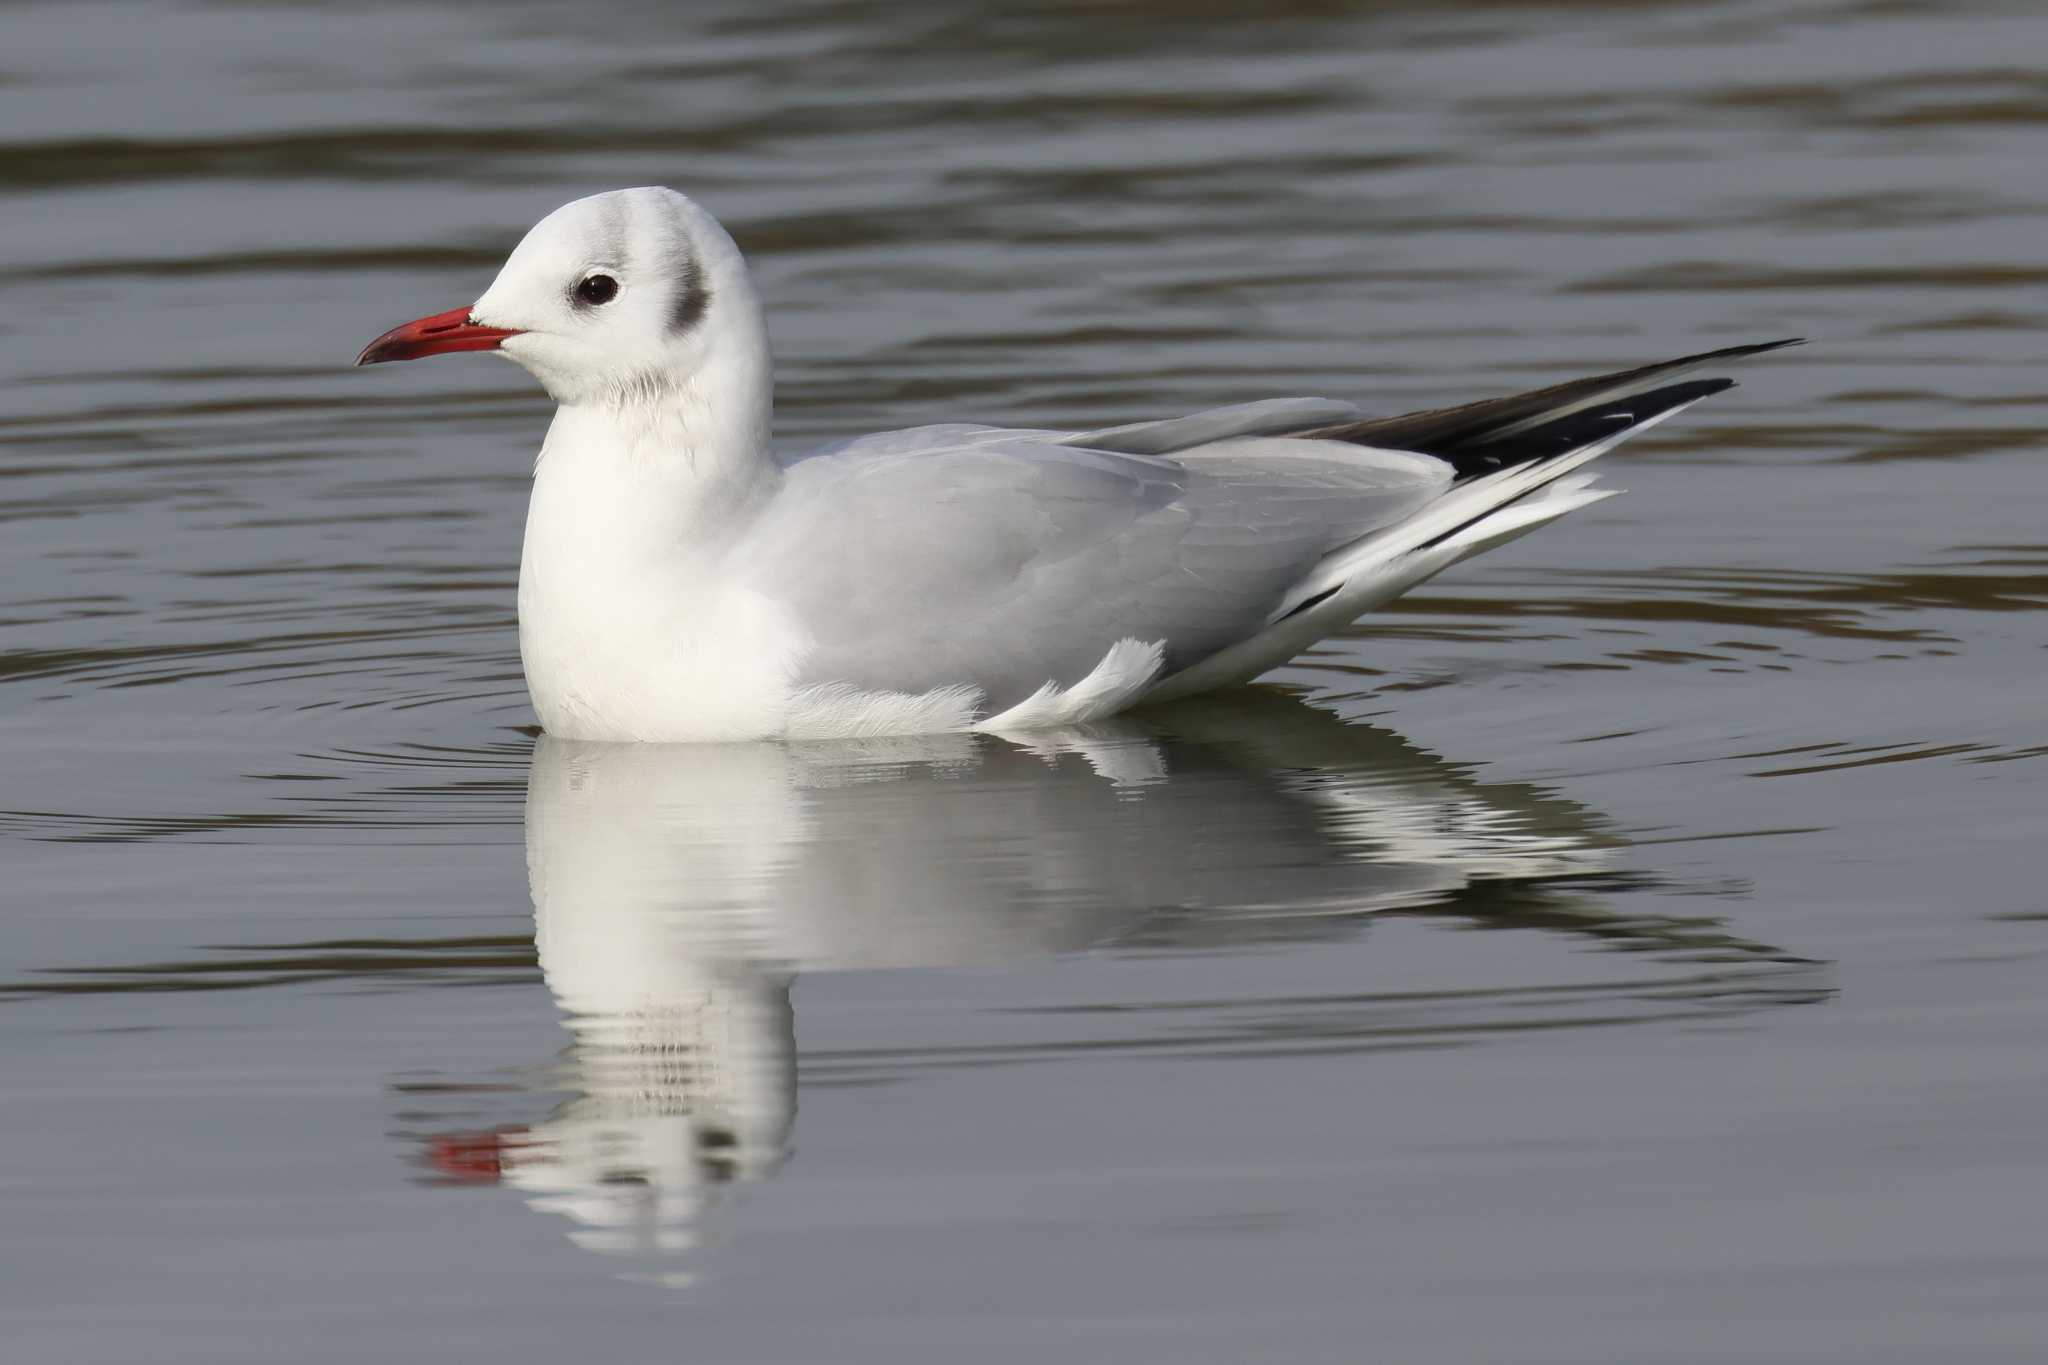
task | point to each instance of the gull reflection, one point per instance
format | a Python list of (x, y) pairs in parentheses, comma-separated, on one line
[(676, 891)]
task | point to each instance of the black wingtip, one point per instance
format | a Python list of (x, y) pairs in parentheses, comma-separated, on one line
[(1748, 348), (1493, 433), (1576, 430)]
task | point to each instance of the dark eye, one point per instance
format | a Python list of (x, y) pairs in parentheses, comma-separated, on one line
[(596, 289)]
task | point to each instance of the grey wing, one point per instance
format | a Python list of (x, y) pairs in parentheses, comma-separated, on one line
[(1007, 560)]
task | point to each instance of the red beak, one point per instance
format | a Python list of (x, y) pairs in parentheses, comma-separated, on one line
[(449, 331)]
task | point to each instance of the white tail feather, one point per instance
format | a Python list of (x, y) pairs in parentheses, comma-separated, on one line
[(1473, 517), (1466, 502)]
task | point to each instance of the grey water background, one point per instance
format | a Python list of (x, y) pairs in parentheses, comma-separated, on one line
[(1628, 948)]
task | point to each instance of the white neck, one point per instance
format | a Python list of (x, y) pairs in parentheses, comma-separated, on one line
[(664, 454), (639, 494)]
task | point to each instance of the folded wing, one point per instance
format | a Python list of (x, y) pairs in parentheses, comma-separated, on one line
[(1009, 560), (1221, 543)]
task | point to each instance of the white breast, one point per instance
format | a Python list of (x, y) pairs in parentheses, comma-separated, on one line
[(628, 627)]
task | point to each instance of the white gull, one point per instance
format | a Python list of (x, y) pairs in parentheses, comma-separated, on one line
[(681, 582)]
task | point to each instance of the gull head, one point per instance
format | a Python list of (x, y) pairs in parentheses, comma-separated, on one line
[(631, 293)]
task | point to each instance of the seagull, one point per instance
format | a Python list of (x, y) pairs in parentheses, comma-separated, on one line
[(682, 582)]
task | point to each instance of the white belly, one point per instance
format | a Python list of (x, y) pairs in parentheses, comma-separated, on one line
[(651, 661), (718, 665)]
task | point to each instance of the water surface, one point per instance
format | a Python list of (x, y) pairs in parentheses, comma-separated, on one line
[(1625, 948)]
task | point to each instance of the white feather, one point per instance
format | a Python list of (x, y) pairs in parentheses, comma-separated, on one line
[(1111, 686)]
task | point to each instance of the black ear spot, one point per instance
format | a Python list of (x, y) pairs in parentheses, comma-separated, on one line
[(593, 290), (693, 299)]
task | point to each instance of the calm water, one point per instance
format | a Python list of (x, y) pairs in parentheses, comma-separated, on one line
[(1629, 949)]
